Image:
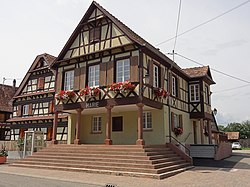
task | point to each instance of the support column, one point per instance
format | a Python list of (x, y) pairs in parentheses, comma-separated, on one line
[(55, 123), (209, 132), (108, 140), (78, 126), (201, 130), (140, 140)]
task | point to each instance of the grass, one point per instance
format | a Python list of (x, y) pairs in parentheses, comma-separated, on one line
[(245, 148)]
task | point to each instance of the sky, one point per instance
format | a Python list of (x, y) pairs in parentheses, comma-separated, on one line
[(32, 27)]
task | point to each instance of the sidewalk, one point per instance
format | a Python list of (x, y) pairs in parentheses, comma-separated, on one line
[(238, 175)]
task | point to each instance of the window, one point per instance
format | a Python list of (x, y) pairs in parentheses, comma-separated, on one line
[(174, 86), (194, 92), (25, 110), (94, 34), (94, 74), (69, 80), (155, 76), (97, 123), (147, 120), (206, 95), (122, 70), (176, 121), (117, 124)]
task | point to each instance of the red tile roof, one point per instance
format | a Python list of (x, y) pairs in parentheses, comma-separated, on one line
[(6, 94), (49, 58), (196, 71)]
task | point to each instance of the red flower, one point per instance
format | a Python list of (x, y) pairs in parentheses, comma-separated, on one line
[(63, 95), (90, 91), (121, 86), (160, 92), (178, 131)]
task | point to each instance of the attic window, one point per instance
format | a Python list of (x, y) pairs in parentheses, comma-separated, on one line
[(94, 35)]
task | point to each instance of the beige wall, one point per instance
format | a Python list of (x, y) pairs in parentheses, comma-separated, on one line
[(187, 135), (129, 133), (71, 128)]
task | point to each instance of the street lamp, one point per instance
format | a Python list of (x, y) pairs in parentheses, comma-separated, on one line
[(215, 111)]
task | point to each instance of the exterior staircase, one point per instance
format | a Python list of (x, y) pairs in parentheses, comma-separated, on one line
[(155, 161)]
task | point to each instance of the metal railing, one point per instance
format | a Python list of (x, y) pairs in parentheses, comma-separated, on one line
[(186, 149)]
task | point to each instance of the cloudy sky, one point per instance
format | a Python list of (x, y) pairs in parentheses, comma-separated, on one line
[(32, 27)]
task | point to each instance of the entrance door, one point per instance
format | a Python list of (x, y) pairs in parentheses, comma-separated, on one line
[(117, 124), (195, 132)]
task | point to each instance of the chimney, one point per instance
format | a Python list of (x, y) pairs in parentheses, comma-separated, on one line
[(14, 83)]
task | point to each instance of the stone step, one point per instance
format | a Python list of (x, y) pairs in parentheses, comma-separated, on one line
[(105, 152), (100, 163), (117, 173), (83, 155), (104, 148), (154, 161), (100, 159), (107, 168)]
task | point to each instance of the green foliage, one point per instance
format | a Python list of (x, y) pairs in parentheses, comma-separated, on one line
[(243, 128), (3, 151), (20, 144), (221, 128)]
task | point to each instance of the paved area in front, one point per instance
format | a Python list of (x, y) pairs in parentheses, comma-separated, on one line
[(233, 171)]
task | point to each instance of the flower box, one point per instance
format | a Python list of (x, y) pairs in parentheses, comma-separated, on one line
[(121, 87), (93, 92), (178, 131), (3, 159), (160, 92), (64, 95)]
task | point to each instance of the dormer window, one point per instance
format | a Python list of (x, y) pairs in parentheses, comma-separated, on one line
[(194, 92), (95, 35)]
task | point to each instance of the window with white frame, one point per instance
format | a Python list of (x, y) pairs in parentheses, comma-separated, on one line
[(155, 76), (147, 120), (194, 92), (25, 110), (93, 77), (176, 121), (69, 80), (97, 124), (174, 86), (206, 94), (122, 70)]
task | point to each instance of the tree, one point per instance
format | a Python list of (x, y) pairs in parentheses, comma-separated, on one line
[(243, 129), (221, 128)]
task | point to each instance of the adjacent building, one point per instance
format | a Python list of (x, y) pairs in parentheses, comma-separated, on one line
[(6, 94), (33, 102)]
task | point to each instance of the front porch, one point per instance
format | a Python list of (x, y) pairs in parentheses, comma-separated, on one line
[(114, 125)]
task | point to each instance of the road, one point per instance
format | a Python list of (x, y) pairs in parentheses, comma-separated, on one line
[(230, 172), (13, 180)]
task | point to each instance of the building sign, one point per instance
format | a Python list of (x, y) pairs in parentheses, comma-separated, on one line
[(92, 105)]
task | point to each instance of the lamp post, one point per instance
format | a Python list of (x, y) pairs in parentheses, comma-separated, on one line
[(215, 111)]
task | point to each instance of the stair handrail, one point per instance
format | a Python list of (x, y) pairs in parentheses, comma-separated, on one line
[(186, 148), (187, 136)]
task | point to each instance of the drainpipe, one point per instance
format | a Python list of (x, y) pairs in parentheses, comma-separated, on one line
[(169, 107)]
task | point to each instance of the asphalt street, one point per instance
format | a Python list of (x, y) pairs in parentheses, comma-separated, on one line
[(13, 180)]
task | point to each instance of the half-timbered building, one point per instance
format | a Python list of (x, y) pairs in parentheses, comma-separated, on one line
[(119, 89), (33, 102), (6, 94)]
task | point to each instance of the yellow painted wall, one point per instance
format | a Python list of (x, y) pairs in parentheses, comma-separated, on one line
[(187, 135), (129, 133), (71, 128)]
